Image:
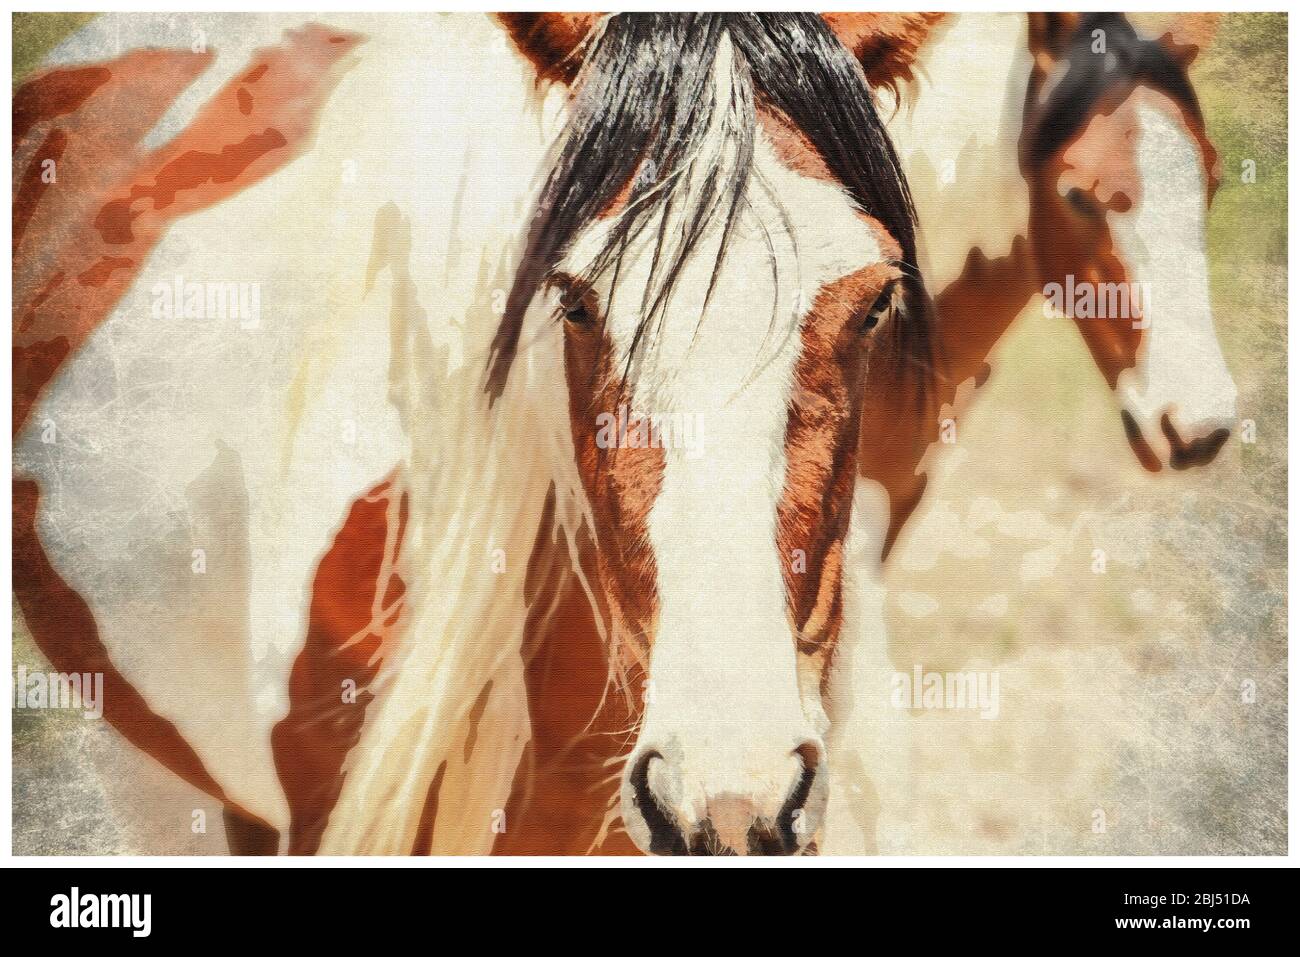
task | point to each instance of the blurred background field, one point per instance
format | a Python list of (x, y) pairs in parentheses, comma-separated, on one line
[(1123, 727), (1143, 709)]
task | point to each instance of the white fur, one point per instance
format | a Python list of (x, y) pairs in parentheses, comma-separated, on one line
[(147, 408), (868, 742), (956, 133), (1180, 368)]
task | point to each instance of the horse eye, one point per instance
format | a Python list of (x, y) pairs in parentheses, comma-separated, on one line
[(878, 309), (576, 313), (575, 307)]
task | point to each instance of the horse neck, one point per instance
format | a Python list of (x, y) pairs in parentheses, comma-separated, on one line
[(959, 138), (977, 261)]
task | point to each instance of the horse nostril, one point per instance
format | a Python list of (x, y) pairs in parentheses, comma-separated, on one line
[(792, 821), (810, 753), (738, 816), (1198, 451), (665, 836)]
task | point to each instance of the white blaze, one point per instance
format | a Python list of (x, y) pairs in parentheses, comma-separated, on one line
[(1180, 367), (724, 704)]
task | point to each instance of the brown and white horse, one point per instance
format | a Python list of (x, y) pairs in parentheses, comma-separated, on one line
[(1095, 207), (737, 265), (986, 261), (1118, 156), (1105, 209), (717, 292)]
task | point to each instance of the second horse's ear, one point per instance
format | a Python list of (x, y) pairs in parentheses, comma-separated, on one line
[(552, 42), (1050, 33), (1183, 35), (886, 44)]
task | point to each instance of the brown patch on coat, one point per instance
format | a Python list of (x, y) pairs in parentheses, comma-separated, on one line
[(357, 601), (568, 776), (821, 451), (904, 406), (550, 41), (119, 198), (621, 481)]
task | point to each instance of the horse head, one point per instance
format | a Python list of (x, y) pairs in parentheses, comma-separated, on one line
[(1121, 174), (723, 240)]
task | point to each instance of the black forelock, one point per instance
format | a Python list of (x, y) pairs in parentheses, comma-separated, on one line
[(645, 101), (1095, 82)]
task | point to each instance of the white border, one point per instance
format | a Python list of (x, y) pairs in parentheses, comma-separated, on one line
[(328, 6)]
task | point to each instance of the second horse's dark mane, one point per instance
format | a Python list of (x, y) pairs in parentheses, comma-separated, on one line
[(1097, 81)]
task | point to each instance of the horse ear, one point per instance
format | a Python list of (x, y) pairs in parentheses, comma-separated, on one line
[(886, 44), (1183, 35), (1049, 35), (552, 42)]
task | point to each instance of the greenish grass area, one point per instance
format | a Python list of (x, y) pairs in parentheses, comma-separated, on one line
[(35, 34)]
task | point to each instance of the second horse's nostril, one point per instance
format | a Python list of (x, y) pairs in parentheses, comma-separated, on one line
[(665, 836), (1197, 451)]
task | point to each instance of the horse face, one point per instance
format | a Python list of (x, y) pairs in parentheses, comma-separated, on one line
[(717, 448), (703, 247), (1118, 225)]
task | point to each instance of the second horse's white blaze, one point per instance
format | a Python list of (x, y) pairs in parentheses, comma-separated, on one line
[(1180, 367)]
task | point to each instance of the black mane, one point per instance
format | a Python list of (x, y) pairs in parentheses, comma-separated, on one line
[(1097, 82), (644, 102)]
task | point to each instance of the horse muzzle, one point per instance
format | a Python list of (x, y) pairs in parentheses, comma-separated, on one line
[(1174, 444), (671, 806)]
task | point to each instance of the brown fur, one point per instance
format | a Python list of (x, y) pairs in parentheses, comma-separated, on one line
[(886, 44), (820, 447), (621, 482), (551, 41)]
